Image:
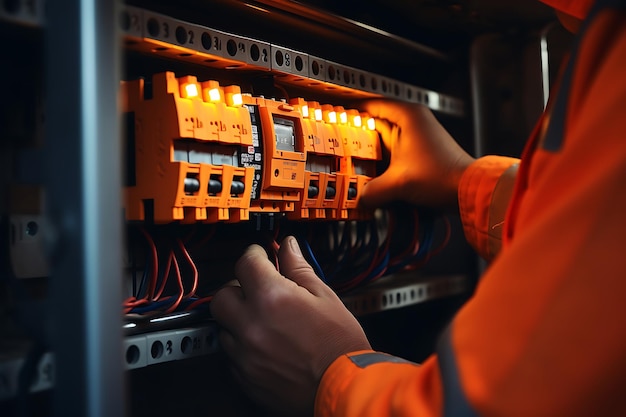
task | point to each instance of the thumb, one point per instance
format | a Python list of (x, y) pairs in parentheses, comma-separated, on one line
[(294, 266)]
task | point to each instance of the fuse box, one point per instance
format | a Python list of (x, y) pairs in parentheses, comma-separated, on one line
[(146, 144)]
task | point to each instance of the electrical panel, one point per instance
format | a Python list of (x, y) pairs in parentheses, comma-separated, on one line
[(230, 133), (200, 152)]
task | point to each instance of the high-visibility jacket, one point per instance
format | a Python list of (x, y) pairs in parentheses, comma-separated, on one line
[(545, 332)]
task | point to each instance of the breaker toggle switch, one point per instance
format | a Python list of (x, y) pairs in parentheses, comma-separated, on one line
[(314, 190), (215, 186), (192, 185), (330, 192), (237, 187), (352, 191)]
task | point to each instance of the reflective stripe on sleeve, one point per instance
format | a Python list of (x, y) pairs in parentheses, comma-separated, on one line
[(455, 404), (364, 360)]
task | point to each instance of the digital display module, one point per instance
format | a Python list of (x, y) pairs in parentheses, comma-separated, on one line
[(285, 134)]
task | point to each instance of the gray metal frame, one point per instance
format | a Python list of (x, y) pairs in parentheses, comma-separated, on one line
[(83, 199)]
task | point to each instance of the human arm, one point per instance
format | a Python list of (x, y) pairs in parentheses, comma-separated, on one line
[(543, 334), (429, 168)]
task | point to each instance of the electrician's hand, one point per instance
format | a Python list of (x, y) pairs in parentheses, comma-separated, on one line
[(426, 162), (283, 331)]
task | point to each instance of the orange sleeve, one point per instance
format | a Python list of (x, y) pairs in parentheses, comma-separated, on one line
[(374, 384), (484, 193), (544, 333)]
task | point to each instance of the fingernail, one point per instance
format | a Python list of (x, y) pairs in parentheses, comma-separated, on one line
[(295, 248)]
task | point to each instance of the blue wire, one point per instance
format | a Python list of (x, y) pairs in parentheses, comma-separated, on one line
[(316, 266), (424, 247)]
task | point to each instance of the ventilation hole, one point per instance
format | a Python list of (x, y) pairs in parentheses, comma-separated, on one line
[(278, 57), (32, 228), (132, 354), (331, 72), (153, 27), (206, 41), (255, 53), (186, 345), (315, 68), (231, 47), (299, 63), (156, 351), (181, 35)]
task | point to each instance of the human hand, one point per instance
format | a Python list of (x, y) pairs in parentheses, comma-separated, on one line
[(426, 162), (283, 331)]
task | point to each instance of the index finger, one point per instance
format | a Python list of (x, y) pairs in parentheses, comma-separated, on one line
[(390, 110), (255, 271), (398, 112)]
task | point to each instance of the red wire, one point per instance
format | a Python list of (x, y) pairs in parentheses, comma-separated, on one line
[(412, 249), (205, 239), (198, 302), (155, 265), (194, 286), (166, 275), (172, 260), (132, 302), (180, 287), (435, 251)]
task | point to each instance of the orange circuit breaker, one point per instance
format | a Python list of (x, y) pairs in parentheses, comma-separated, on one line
[(362, 151), (200, 152), (320, 199), (184, 139), (277, 155)]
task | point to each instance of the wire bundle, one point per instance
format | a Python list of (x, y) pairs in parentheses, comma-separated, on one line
[(353, 253), (148, 298), (345, 255)]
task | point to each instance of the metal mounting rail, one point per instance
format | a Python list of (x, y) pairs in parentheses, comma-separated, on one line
[(154, 33), (402, 290), (154, 347)]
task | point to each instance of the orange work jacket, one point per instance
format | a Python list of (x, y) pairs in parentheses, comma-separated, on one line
[(545, 332)]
